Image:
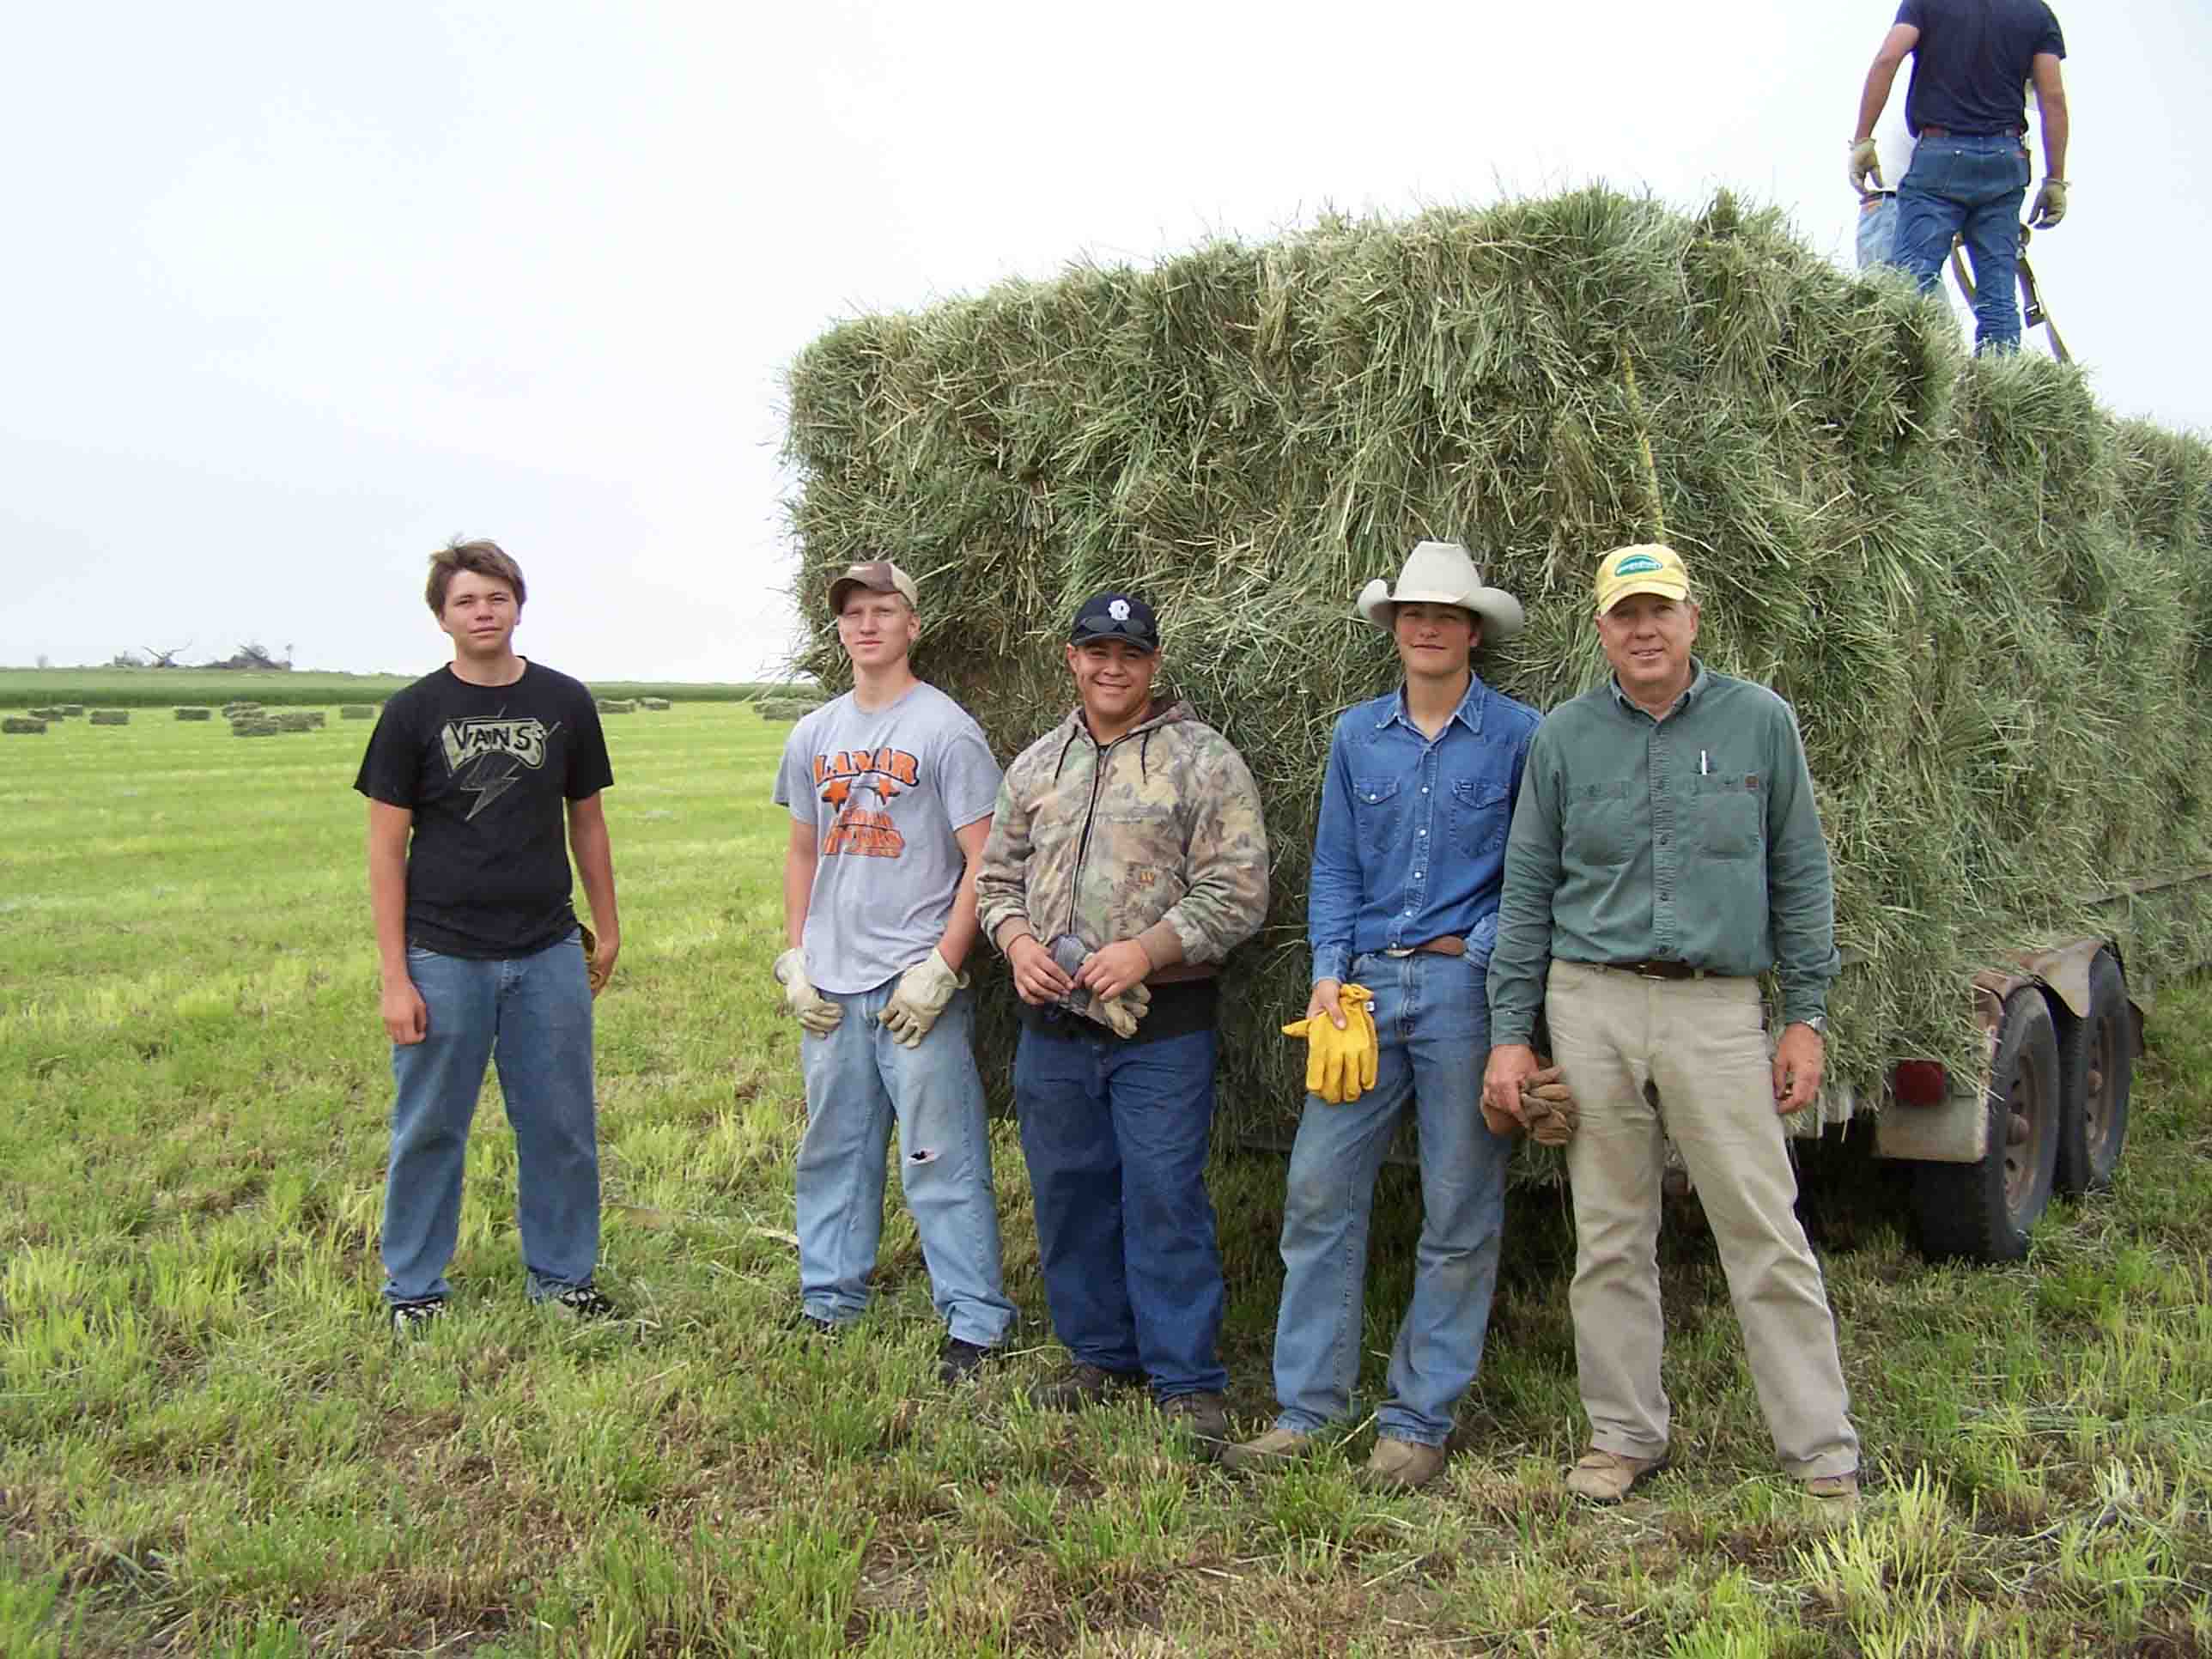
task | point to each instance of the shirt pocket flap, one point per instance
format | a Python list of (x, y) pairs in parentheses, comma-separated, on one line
[(1373, 791)]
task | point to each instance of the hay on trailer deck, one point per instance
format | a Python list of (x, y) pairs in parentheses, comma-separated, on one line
[(1989, 603), (23, 726), (110, 717), (191, 712)]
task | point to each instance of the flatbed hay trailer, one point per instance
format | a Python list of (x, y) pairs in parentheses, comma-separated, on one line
[(2046, 1109)]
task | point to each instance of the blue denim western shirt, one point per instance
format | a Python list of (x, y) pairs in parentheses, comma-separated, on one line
[(1411, 845)]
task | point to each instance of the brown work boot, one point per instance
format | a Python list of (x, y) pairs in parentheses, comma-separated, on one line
[(1604, 1477), (1401, 1464), (1835, 1496), (1081, 1385), (1205, 1414), (1278, 1449)]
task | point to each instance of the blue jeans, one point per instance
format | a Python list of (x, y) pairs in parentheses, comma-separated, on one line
[(1115, 1135), (1969, 187), (859, 1082), (532, 1016), (1432, 1019)]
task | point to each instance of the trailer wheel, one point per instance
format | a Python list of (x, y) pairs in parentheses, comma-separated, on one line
[(2096, 1068), (1982, 1210)]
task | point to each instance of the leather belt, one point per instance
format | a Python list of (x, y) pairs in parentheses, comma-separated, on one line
[(1654, 968), (1451, 944), (1945, 132)]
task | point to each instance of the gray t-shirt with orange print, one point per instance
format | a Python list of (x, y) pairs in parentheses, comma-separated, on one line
[(883, 791)]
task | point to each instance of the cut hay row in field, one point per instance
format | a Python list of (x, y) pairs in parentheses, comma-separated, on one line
[(209, 1444), (1989, 600)]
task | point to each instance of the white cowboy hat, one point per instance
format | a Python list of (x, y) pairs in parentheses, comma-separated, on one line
[(1443, 572)]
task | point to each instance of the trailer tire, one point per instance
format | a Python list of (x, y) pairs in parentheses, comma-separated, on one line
[(1982, 1210), (2096, 1072)]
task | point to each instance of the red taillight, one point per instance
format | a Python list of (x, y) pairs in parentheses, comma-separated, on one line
[(1919, 1083)]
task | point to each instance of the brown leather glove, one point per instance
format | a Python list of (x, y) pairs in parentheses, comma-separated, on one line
[(1549, 1106)]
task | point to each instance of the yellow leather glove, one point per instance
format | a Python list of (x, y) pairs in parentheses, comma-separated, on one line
[(1340, 1065)]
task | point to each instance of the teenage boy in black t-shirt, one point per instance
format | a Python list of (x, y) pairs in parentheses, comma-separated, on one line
[(467, 775)]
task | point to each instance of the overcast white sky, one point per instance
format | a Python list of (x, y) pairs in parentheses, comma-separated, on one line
[(294, 293)]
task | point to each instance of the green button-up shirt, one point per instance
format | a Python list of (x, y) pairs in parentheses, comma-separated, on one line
[(1693, 839)]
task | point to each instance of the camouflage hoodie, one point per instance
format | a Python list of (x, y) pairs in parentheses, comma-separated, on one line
[(1156, 837)]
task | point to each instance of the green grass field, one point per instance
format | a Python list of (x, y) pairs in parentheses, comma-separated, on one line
[(209, 1444), (145, 688)]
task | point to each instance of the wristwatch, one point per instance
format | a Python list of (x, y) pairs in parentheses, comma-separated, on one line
[(1818, 1023)]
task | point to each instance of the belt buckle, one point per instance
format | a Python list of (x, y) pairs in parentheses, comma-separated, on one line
[(1400, 951)]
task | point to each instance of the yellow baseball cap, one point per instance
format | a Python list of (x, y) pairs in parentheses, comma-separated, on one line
[(1646, 567)]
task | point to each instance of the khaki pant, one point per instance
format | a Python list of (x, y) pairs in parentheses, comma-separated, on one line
[(1700, 1044)]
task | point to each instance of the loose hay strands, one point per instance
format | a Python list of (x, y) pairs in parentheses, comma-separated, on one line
[(1990, 603)]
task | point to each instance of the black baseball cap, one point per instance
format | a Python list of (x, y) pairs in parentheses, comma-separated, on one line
[(1116, 617)]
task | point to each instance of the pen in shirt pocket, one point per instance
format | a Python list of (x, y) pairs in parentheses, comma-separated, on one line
[(1704, 763)]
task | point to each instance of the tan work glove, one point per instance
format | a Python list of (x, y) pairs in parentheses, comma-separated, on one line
[(1866, 161), (923, 991), (800, 1000), (2049, 205), (1120, 1014), (594, 976), (1549, 1106)]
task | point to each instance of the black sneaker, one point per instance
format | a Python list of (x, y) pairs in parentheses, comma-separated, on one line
[(958, 1361), (413, 1318), (585, 1301), (1080, 1385)]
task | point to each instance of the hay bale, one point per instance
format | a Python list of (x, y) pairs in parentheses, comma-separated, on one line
[(70, 711), (1990, 603), (616, 705), (23, 725), (191, 712), (46, 713), (254, 726), (110, 717), (784, 708), (656, 704), (232, 710), (357, 711), (298, 719)]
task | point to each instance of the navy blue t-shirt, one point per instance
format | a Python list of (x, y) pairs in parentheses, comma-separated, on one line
[(1970, 68), (486, 769)]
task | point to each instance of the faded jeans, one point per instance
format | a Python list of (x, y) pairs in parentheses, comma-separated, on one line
[(532, 1018), (1432, 1020), (859, 1082), (1971, 187)]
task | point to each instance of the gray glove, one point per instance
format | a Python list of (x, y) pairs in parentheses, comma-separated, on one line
[(923, 991), (800, 1000), (1118, 1014), (2050, 205)]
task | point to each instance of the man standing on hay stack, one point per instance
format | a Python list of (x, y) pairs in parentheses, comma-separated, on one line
[(1127, 860), (1408, 853), (1666, 852), (469, 775), (1967, 108), (890, 789)]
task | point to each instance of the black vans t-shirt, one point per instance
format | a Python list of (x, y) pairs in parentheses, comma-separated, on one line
[(486, 770)]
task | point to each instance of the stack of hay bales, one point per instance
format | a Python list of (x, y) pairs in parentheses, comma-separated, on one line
[(1988, 601), (254, 726), (27, 726), (785, 708), (656, 705), (616, 705), (299, 719), (70, 711), (110, 717), (190, 712), (357, 711), (232, 711), (50, 713)]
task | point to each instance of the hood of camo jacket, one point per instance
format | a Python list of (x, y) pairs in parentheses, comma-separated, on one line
[(1157, 836)]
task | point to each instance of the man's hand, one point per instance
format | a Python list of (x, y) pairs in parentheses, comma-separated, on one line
[(1511, 1065), (2049, 205), (1038, 980), (818, 1014), (1799, 1060), (923, 991), (1113, 968), (1866, 163), (1324, 1000), (599, 956), (406, 1018)]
